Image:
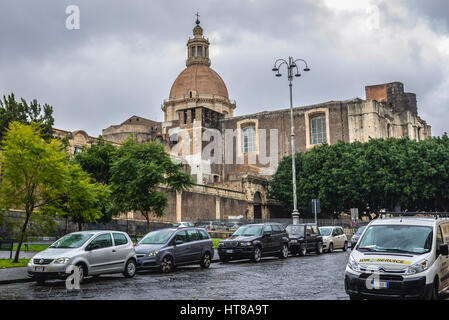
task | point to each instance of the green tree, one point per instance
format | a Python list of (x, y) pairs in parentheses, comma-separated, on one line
[(26, 113), (139, 174), (392, 174), (97, 160), (38, 178)]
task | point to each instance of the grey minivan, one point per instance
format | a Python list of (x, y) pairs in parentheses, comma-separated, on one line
[(92, 252), (165, 249)]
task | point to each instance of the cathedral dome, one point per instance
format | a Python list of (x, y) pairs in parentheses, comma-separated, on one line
[(199, 78)]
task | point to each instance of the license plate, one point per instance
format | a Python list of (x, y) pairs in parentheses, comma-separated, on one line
[(39, 269), (229, 251), (380, 284)]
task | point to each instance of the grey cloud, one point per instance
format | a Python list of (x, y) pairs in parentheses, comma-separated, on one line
[(126, 55)]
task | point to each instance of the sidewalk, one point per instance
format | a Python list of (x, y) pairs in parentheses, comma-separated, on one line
[(14, 275)]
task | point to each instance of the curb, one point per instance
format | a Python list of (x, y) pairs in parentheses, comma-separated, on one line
[(16, 281)]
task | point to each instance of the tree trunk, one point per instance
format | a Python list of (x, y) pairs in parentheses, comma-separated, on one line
[(22, 235), (397, 207), (148, 223)]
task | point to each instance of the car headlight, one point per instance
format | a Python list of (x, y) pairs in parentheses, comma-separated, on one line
[(418, 267), (62, 261), (153, 253), (245, 244), (352, 264), (221, 244)]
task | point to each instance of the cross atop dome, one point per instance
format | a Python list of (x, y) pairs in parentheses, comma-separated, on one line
[(197, 18)]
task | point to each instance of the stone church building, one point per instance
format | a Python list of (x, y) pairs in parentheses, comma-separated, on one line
[(232, 178)]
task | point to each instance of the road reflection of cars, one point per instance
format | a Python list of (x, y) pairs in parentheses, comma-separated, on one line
[(165, 249)]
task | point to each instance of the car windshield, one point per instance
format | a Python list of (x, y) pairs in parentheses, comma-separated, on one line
[(73, 240), (295, 230), (360, 230), (251, 230), (325, 231), (157, 237), (397, 238)]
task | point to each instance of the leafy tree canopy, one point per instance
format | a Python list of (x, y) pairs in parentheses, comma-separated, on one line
[(26, 113), (391, 174), (137, 173)]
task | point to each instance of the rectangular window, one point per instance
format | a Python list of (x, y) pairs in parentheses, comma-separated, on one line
[(249, 139), (193, 52), (199, 51), (318, 130)]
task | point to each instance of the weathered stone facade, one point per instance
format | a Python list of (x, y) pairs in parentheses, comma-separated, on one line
[(232, 177)]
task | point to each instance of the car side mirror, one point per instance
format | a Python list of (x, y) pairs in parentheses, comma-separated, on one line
[(443, 249), (91, 247)]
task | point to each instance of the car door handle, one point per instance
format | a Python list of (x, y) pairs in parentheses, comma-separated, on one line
[(113, 250)]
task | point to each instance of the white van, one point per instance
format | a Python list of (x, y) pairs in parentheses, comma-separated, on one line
[(402, 257)]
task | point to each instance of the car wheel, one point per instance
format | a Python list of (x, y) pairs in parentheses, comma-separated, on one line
[(302, 250), (257, 255), (434, 291), (331, 248), (130, 269), (284, 252), (205, 261), (167, 264), (345, 247), (319, 248)]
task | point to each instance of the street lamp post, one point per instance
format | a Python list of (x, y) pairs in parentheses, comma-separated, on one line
[(291, 67)]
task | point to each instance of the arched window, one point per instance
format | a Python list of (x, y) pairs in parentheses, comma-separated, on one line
[(249, 139), (318, 129)]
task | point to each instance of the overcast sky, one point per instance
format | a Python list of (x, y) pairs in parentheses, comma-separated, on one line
[(126, 54)]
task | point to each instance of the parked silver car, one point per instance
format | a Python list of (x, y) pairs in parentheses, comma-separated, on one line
[(92, 252), (167, 248)]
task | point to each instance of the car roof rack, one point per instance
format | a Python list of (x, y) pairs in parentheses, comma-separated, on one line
[(413, 214)]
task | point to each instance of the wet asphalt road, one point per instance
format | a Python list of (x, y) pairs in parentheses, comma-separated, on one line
[(310, 277)]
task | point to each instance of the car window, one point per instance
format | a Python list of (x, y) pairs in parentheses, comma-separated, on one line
[(181, 236), (203, 234), (341, 231), (119, 239), (309, 230), (193, 235), (276, 228), (103, 241), (315, 230), (268, 230), (335, 232), (282, 228)]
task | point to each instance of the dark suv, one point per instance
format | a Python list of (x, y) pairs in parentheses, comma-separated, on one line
[(254, 241), (304, 238)]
